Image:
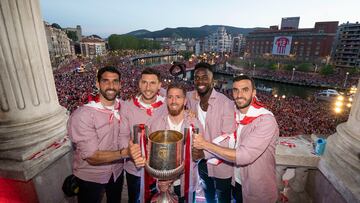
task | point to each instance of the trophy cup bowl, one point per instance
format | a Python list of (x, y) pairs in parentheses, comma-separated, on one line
[(165, 161)]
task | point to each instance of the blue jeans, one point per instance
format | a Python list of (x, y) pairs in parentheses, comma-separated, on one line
[(214, 187)]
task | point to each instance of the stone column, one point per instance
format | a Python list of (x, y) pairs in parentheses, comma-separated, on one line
[(32, 123), (341, 162)]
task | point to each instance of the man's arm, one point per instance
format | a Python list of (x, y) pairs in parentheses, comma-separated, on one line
[(256, 144), (103, 157), (81, 132), (226, 153)]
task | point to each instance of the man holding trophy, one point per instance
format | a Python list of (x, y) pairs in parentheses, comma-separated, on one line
[(138, 111), (175, 121)]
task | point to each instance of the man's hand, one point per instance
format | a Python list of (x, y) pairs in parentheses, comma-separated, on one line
[(135, 154), (197, 154), (198, 149), (199, 142)]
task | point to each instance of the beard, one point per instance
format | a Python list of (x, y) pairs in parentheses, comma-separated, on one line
[(174, 112), (109, 97), (247, 103)]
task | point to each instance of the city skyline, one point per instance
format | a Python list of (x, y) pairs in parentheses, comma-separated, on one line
[(113, 17)]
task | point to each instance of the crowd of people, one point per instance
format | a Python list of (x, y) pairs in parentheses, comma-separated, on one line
[(294, 115), (302, 78)]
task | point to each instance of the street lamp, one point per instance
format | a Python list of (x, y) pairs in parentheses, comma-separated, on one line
[(254, 69), (346, 77), (292, 76)]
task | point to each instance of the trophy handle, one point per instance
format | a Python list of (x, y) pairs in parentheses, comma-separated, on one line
[(137, 129), (195, 130)]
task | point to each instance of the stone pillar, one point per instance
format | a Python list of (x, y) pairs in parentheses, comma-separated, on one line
[(341, 162), (32, 123)]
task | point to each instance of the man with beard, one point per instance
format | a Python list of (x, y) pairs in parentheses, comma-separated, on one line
[(254, 153), (147, 104), (177, 119), (99, 151), (216, 114)]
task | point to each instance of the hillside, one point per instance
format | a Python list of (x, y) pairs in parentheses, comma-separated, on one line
[(186, 32)]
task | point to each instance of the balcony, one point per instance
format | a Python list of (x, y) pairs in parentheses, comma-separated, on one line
[(298, 176)]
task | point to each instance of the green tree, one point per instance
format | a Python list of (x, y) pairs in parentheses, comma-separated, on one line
[(72, 35), (271, 66), (186, 54), (354, 70), (289, 67), (304, 67), (55, 25), (327, 70), (119, 42)]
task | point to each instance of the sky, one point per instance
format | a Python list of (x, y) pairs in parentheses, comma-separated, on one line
[(106, 17)]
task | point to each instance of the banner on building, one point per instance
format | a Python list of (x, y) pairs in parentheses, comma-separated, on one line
[(282, 45)]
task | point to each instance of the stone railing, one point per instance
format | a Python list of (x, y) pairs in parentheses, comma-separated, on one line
[(294, 157)]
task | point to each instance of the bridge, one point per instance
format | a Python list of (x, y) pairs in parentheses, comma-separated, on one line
[(155, 55)]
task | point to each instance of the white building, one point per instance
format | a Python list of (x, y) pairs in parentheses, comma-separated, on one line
[(238, 45), (219, 42), (347, 46)]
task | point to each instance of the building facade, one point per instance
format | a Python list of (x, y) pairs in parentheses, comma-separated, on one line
[(290, 23), (219, 42), (307, 44), (92, 47), (78, 31), (58, 44), (238, 45), (347, 50)]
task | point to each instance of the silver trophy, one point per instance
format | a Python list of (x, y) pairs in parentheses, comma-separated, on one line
[(165, 161)]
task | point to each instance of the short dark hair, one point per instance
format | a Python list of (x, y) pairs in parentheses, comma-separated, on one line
[(151, 71), (176, 86), (244, 77), (203, 65), (111, 69)]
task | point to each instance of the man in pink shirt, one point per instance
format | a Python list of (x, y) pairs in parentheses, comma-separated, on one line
[(254, 153), (99, 151), (216, 114), (147, 104)]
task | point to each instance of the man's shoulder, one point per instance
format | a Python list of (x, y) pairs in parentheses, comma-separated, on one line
[(220, 96), (266, 118), (191, 94), (128, 102), (83, 113), (128, 105)]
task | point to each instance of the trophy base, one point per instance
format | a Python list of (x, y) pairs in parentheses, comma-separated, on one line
[(164, 196)]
